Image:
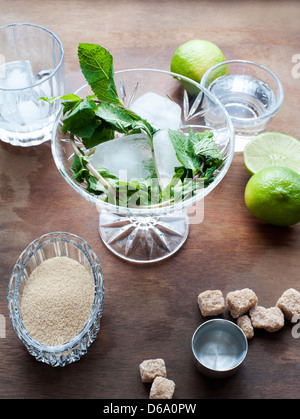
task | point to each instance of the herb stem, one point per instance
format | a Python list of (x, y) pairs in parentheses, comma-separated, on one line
[(106, 184), (92, 169)]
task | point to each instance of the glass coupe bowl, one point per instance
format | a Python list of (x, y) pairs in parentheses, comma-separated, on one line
[(152, 233)]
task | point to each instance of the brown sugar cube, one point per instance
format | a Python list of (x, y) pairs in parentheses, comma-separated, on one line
[(211, 303), (289, 304), (270, 319), (151, 368), (162, 388), (245, 324), (241, 301)]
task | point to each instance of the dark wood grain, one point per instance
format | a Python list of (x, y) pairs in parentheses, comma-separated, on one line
[(152, 311)]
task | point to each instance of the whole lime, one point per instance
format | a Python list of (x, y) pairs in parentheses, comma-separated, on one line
[(193, 58), (273, 195)]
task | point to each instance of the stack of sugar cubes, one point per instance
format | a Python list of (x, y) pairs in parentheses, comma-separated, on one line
[(154, 371), (243, 306)]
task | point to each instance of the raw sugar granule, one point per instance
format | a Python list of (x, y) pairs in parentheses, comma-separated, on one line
[(57, 300)]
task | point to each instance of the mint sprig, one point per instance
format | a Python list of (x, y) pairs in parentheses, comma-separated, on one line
[(198, 153), (96, 118)]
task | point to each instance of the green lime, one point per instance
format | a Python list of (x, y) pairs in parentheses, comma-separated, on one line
[(272, 149), (273, 195), (193, 58)]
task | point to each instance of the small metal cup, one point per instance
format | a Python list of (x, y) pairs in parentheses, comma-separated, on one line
[(219, 347)]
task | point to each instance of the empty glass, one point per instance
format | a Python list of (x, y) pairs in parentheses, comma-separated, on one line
[(250, 93), (31, 66)]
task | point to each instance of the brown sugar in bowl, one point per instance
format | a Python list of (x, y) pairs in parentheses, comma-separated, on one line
[(57, 316)]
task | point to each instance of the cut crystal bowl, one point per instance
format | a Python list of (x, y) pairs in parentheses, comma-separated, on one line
[(144, 234)]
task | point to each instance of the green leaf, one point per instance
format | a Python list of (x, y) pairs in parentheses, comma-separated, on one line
[(50, 100), (53, 99), (96, 187), (80, 172), (101, 134), (72, 97), (81, 120), (142, 124), (187, 189), (206, 147), (71, 101), (106, 173), (119, 118), (123, 120), (184, 151), (96, 64)]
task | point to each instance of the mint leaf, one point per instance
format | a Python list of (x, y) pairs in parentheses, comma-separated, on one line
[(101, 134), (206, 147), (139, 123), (96, 64), (123, 120), (106, 174), (95, 186), (50, 100), (187, 189), (80, 172), (199, 155), (68, 97), (81, 120), (118, 118), (71, 99), (183, 147)]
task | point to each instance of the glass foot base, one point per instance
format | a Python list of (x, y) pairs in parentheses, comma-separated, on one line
[(143, 239)]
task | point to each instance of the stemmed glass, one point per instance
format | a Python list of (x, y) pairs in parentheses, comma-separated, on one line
[(154, 232)]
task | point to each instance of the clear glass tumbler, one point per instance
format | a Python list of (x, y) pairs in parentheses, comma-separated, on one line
[(31, 66), (250, 93)]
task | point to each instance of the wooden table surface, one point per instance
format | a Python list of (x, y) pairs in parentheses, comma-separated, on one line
[(151, 311)]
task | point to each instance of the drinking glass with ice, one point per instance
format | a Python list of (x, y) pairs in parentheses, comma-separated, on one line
[(32, 68)]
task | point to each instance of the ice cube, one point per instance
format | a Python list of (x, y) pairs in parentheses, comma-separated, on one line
[(30, 111), (130, 154), (159, 111), (22, 106), (165, 157), (16, 75), (8, 106)]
